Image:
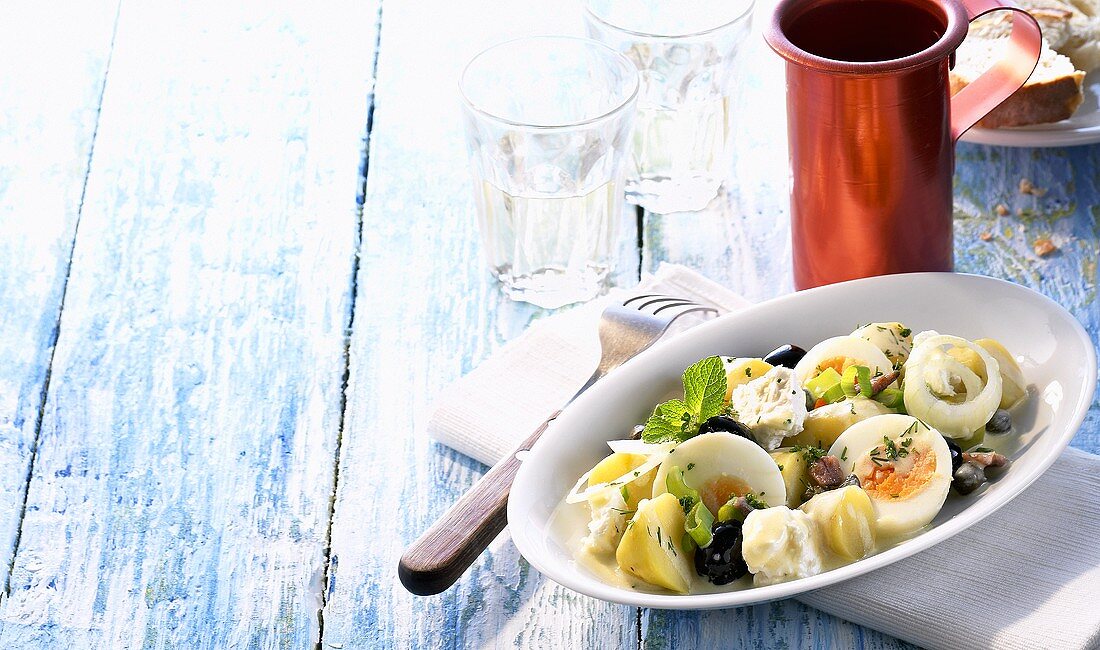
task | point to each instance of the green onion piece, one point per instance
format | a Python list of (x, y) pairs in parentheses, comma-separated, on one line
[(823, 382), (856, 380), (687, 544), (698, 524), (730, 511), (834, 394), (892, 398), (674, 483)]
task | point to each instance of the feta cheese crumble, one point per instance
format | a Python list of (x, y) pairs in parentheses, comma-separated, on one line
[(773, 407)]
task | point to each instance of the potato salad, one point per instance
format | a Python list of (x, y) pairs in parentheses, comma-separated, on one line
[(781, 467)]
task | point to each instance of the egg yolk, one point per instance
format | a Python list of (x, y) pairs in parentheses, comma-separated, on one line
[(839, 364), (716, 492), (892, 481)]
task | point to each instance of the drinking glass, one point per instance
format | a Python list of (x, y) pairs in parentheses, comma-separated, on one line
[(548, 122), (686, 54)]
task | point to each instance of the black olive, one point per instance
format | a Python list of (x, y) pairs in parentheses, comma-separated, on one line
[(1001, 422), (956, 454), (727, 424), (968, 477), (721, 562), (787, 356)]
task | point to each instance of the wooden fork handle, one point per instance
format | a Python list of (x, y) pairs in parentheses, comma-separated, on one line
[(443, 552)]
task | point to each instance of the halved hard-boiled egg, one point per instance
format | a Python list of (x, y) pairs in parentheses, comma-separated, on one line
[(839, 353), (720, 465), (903, 465)]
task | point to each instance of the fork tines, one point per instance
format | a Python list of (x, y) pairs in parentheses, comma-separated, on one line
[(657, 303)]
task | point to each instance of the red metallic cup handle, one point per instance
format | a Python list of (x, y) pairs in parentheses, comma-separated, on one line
[(979, 98)]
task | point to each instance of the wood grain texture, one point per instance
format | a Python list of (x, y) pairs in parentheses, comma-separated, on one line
[(181, 492), (46, 135), (439, 557), (426, 312)]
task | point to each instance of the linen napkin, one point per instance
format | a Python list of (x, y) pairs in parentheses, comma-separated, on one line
[(1026, 577)]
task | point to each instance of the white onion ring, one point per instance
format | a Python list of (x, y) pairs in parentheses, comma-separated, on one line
[(941, 361), (639, 447), (953, 420)]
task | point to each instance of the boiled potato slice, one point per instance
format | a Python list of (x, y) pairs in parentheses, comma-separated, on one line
[(824, 424), (650, 548), (618, 464), (742, 371), (1013, 384), (894, 339), (847, 520), (793, 467)]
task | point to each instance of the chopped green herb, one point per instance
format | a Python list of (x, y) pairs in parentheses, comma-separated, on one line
[(755, 501), (748, 372), (811, 454), (844, 454), (780, 468), (905, 332), (690, 466)]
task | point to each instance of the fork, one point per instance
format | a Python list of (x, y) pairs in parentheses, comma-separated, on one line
[(443, 552)]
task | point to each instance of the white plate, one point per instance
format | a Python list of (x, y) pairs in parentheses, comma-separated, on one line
[(1082, 128), (1057, 358)]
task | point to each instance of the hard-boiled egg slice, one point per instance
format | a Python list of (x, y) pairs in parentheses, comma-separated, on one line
[(839, 353), (720, 465), (904, 466)]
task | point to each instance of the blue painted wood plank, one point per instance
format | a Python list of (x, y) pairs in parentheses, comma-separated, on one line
[(182, 488), (1067, 213), (427, 311), (48, 113)]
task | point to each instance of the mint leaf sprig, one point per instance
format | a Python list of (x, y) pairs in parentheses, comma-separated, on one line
[(704, 393)]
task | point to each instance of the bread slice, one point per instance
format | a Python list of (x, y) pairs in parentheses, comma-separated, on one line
[(1052, 93), (1071, 35)]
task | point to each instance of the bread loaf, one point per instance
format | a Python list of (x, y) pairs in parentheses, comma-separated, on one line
[(1071, 47)]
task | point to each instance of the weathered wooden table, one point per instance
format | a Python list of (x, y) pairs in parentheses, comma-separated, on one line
[(237, 261)]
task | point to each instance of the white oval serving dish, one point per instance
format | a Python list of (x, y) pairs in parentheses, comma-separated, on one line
[(1055, 352)]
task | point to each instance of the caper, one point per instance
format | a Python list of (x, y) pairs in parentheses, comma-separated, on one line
[(968, 477), (1001, 422)]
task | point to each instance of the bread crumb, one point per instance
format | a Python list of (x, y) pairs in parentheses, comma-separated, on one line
[(1043, 246), (1001, 209), (985, 236), (1027, 187)]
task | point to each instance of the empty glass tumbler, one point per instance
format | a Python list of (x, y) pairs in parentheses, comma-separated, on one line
[(685, 53), (548, 122)]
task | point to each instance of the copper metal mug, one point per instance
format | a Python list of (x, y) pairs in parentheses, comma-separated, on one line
[(872, 141)]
